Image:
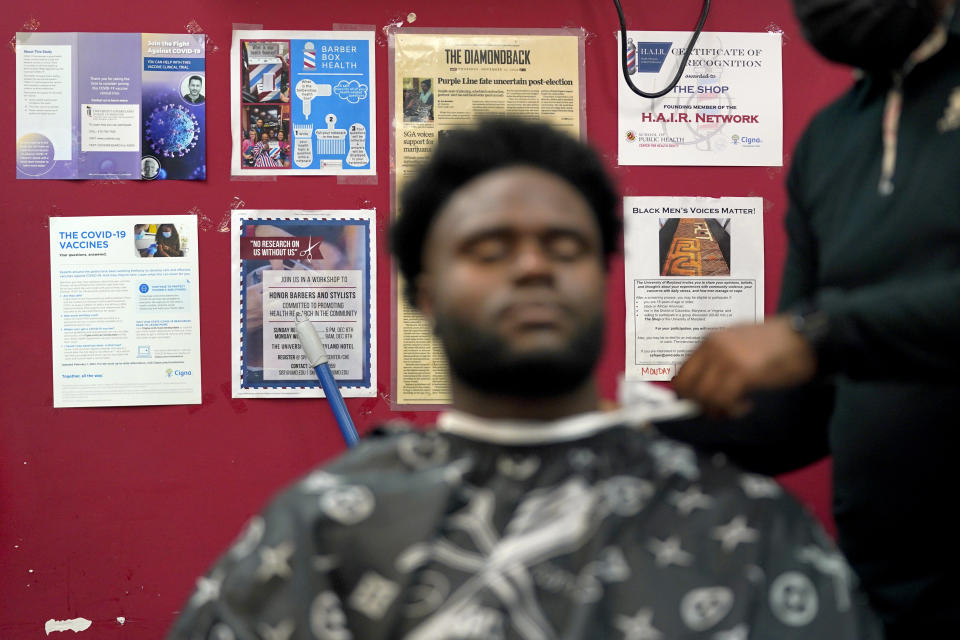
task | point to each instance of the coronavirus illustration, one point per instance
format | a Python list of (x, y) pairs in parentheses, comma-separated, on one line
[(172, 130)]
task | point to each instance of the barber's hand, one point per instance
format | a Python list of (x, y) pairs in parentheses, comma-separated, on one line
[(731, 363)]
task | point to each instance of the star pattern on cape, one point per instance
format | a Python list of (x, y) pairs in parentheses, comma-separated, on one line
[(282, 631), (667, 552), (739, 632), (691, 499), (734, 533), (208, 589), (639, 626), (759, 486), (673, 458), (275, 561)]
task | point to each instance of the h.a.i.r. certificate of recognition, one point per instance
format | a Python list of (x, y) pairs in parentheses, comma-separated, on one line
[(726, 109)]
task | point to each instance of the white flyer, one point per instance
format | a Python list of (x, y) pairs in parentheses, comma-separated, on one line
[(125, 303), (726, 110), (317, 264), (692, 265)]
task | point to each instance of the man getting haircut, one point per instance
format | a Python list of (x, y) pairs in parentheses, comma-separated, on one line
[(527, 512)]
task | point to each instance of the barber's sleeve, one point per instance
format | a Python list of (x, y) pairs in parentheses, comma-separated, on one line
[(906, 330), (256, 589), (805, 589), (786, 430)]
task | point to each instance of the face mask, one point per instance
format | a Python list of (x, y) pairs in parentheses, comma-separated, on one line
[(874, 35), (140, 235), (166, 234)]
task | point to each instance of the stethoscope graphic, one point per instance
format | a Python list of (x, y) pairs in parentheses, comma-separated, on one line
[(308, 252)]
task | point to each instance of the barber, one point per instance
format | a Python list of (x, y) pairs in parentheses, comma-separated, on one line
[(863, 360)]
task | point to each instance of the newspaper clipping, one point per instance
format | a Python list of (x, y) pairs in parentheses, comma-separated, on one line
[(442, 81)]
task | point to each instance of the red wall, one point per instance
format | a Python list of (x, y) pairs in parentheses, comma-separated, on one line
[(113, 512)]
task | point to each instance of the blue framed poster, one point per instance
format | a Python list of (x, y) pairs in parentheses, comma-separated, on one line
[(303, 103)]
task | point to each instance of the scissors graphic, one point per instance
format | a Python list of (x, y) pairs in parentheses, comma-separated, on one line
[(308, 252)]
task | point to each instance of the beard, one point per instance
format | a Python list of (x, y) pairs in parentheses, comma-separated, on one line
[(481, 359)]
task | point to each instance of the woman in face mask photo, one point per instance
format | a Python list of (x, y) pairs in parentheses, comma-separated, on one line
[(168, 242)]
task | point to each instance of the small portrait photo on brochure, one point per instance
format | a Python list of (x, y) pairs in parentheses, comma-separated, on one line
[(159, 241), (192, 89), (149, 168), (694, 246)]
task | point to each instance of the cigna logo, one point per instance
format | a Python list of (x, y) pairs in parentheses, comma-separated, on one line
[(746, 141), (180, 373)]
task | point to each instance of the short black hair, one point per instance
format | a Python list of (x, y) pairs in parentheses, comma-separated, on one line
[(192, 78), (461, 155)]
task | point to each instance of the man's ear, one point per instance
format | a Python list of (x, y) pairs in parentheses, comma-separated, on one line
[(424, 297)]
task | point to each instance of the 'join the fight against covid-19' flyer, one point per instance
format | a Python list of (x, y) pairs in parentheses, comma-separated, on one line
[(111, 106)]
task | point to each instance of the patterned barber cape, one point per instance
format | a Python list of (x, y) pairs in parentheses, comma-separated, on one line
[(585, 528)]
